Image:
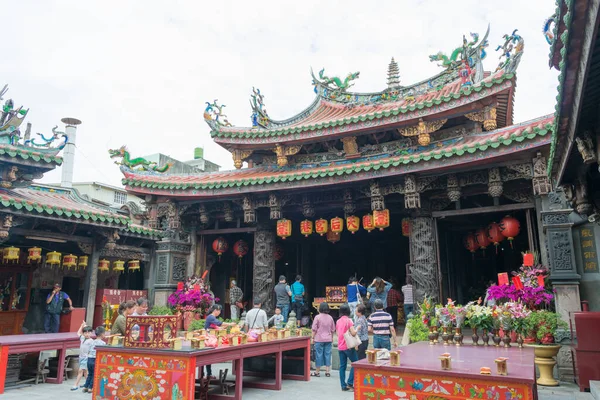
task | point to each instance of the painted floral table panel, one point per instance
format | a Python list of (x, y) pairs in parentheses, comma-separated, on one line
[(392, 386), (126, 376)]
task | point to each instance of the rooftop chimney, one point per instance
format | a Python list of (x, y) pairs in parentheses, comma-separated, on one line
[(69, 151)]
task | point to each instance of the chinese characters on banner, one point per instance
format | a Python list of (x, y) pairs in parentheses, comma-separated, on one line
[(588, 249)]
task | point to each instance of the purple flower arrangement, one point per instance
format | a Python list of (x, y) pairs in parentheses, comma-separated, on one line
[(531, 294)]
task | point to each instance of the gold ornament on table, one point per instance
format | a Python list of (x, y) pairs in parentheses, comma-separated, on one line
[(446, 361), (119, 266), (10, 254), (53, 258), (34, 254)]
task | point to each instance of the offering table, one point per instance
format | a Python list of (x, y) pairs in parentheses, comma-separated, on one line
[(419, 375)]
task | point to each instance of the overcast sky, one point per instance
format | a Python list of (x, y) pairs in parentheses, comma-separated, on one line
[(139, 72)]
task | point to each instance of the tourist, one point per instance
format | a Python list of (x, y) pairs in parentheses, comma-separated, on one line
[(277, 318), (141, 308), (323, 327), (282, 296), (212, 295), (235, 300), (297, 290), (489, 301), (85, 337), (99, 341), (54, 307), (356, 293), (380, 323), (361, 326), (378, 290), (343, 325), (407, 291), (393, 300), (125, 309), (212, 322), (256, 319)]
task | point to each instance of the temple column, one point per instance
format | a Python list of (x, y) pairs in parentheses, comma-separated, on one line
[(91, 282), (171, 267), (557, 228), (263, 276), (423, 267)]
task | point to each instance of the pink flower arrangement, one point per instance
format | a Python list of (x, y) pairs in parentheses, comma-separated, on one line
[(193, 296), (532, 294)]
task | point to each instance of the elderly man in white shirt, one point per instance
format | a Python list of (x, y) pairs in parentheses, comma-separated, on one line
[(257, 318)]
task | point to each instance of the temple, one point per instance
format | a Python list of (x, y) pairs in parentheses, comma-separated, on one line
[(390, 183)]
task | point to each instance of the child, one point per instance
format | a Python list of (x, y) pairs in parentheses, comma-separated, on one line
[(91, 362), (85, 336), (277, 318)]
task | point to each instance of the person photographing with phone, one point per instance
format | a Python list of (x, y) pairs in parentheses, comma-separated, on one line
[(54, 307)]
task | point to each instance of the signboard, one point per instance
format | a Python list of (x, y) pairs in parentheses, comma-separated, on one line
[(588, 249)]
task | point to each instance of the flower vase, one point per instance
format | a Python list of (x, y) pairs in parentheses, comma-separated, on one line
[(432, 335), (506, 339), (485, 337), (188, 317), (179, 320), (445, 335), (475, 337), (497, 339), (458, 337), (437, 334), (520, 340)]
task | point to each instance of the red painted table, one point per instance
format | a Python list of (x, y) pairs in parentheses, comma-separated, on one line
[(16, 344), (133, 373), (420, 376)]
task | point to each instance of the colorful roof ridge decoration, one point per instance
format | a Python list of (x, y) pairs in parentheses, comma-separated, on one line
[(336, 110), (519, 137), (139, 163), (27, 153), (143, 230)]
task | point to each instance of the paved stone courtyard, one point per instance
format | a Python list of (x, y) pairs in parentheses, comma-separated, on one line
[(317, 388)]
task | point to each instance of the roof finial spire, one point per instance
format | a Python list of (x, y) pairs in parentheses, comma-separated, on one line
[(393, 80)]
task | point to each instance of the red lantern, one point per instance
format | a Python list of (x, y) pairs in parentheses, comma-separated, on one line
[(333, 237), (278, 252), (381, 219), (321, 226), (495, 234), (240, 248), (406, 227), (220, 246), (352, 223), (284, 228), (510, 227), (470, 243), (368, 223), (482, 240), (306, 227), (337, 225)]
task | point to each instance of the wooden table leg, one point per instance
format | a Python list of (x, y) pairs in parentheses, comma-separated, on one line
[(62, 353), (3, 366), (278, 369), (307, 362), (239, 378)]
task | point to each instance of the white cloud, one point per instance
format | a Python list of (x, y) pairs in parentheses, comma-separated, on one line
[(139, 72)]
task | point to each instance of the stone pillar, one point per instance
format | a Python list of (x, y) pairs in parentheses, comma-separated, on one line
[(423, 267), (91, 284), (557, 228), (191, 265), (264, 265), (170, 267)]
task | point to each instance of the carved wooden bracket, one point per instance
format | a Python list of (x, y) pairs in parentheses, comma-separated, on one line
[(239, 156), (423, 129), (283, 152), (350, 147), (487, 116)]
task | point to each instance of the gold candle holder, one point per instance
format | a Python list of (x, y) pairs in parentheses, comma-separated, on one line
[(236, 340), (395, 358), (264, 337), (189, 335), (198, 343), (446, 361), (176, 343), (279, 334), (286, 333), (501, 365), (371, 356)]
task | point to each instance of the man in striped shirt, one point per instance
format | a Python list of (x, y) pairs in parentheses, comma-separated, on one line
[(407, 291), (381, 325)]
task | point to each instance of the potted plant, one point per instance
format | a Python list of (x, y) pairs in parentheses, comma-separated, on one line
[(543, 325)]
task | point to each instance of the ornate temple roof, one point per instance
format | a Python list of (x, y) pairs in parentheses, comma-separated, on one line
[(65, 204), (458, 151), (462, 87)]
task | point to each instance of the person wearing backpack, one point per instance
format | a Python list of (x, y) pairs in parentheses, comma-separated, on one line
[(297, 289), (54, 307)]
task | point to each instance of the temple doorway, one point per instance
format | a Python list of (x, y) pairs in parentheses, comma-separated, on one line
[(466, 274)]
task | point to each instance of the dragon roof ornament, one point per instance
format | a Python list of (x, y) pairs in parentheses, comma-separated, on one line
[(136, 164), (511, 52), (259, 116), (214, 116)]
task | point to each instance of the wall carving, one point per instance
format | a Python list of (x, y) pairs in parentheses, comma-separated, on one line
[(249, 210), (541, 182), (560, 251), (453, 188), (377, 199), (179, 268), (423, 267), (173, 246), (162, 269), (495, 185)]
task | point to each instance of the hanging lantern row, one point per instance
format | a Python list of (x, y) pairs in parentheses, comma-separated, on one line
[(53, 258), (118, 266), (380, 219), (240, 248), (508, 228)]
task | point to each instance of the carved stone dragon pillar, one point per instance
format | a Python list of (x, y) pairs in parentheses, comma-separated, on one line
[(264, 266), (424, 267)]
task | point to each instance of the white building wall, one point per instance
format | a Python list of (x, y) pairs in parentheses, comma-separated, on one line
[(108, 195)]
